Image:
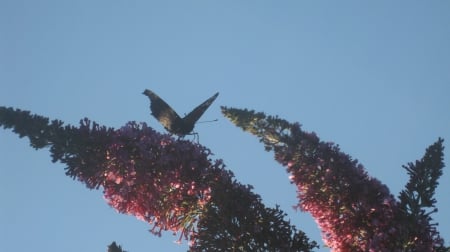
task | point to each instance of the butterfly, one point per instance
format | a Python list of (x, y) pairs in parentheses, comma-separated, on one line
[(171, 121)]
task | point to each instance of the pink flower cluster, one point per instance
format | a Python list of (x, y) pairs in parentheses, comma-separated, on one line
[(354, 211), (161, 180)]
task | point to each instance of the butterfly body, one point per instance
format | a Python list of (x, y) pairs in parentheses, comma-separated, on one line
[(171, 121)]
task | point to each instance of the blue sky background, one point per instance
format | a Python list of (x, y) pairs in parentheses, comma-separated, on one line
[(373, 77)]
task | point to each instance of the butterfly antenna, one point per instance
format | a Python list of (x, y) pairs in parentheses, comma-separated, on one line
[(215, 120)]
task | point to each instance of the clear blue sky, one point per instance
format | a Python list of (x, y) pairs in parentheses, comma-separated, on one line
[(373, 77)]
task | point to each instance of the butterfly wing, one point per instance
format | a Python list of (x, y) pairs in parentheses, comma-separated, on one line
[(163, 112), (191, 118)]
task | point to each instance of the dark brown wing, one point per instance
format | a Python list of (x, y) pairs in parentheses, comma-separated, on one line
[(164, 113), (191, 118)]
